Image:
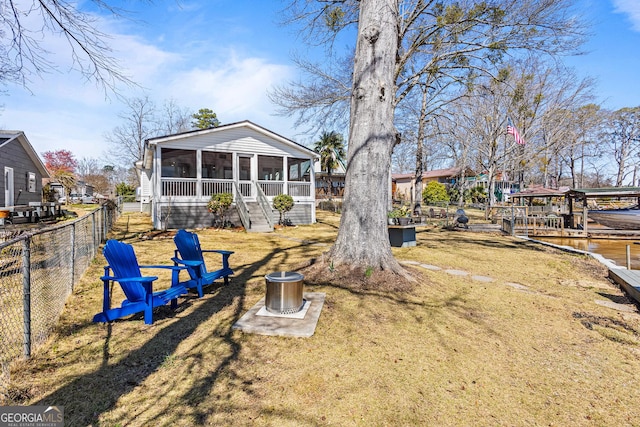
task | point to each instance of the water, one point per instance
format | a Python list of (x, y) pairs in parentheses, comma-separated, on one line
[(615, 250)]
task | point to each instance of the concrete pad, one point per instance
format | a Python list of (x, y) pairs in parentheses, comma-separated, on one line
[(430, 267), (285, 325), (298, 315)]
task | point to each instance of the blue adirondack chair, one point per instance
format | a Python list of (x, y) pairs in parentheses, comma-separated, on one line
[(137, 288), (189, 253)]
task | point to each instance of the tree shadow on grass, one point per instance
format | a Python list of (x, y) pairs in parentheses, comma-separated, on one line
[(501, 242), (88, 396)]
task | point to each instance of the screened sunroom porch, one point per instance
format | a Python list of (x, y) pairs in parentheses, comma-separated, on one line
[(195, 175)]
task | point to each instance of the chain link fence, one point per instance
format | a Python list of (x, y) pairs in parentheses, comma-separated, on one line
[(38, 270)]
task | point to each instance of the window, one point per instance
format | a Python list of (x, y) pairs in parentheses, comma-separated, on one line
[(299, 169), (217, 165), (31, 182), (270, 168), (178, 163)]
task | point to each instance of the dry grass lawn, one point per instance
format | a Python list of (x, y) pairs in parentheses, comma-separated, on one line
[(531, 347)]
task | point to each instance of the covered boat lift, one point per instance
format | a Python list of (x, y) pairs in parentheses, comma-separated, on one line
[(611, 194), (566, 212)]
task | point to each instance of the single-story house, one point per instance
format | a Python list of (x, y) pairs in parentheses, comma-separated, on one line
[(22, 168), (403, 185), (81, 188), (179, 173), (330, 186)]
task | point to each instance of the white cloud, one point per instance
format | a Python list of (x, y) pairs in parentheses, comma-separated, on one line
[(233, 86), (631, 8), (63, 111)]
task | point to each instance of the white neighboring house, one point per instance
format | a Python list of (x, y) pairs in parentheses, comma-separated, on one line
[(179, 173)]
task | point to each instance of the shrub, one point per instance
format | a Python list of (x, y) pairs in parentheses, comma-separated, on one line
[(282, 203), (218, 205), (434, 192)]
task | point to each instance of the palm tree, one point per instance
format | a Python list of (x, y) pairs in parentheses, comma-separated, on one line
[(332, 153)]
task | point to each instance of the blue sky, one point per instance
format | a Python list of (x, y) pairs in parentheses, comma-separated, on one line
[(225, 55), (613, 51)]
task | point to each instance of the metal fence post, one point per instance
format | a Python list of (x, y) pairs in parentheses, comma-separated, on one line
[(73, 255), (104, 223), (94, 232), (26, 294)]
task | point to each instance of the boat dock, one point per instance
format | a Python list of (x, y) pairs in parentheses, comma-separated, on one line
[(629, 280)]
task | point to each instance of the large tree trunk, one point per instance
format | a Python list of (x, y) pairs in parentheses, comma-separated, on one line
[(363, 239)]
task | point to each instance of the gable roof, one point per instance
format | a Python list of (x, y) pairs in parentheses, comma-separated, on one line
[(9, 136), (606, 192), (436, 173), (246, 124), (541, 191)]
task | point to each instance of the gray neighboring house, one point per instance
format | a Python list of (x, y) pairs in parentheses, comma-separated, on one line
[(179, 173), (22, 170)]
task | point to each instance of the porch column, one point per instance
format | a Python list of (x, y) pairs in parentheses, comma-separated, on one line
[(285, 175), (235, 173), (312, 189), (198, 174)]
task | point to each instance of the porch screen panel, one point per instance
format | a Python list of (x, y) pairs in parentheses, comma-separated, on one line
[(299, 177), (299, 169), (217, 165), (178, 172), (270, 168), (178, 163)]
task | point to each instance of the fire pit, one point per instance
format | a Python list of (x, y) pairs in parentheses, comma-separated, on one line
[(284, 292)]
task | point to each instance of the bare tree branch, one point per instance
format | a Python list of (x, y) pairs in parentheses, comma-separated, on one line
[(24, 26)]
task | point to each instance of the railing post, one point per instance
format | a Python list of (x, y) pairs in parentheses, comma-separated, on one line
[(26, 294), (513, 221)]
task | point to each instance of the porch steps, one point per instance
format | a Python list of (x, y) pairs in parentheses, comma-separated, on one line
[(259, 223)]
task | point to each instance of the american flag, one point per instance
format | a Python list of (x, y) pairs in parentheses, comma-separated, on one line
[(511, 130)]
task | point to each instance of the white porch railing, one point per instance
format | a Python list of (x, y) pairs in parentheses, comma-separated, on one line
[(179, 187), (242, 209), (264, 205), (299, 189), (246, 189), (204, 188), (216, 186), (271, 188)]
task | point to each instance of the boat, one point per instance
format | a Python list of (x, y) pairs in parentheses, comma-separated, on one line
[(618, 219)]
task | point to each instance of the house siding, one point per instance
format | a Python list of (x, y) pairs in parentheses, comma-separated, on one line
[(197, 216), (243, 141), (15, 156), (300, 214), (246, 139), (145, 187), (186, 216)]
